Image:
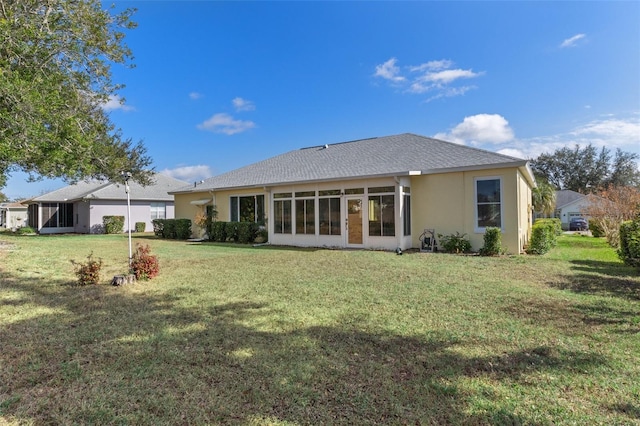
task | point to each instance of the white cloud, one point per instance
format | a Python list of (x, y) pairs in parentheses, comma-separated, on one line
[(195, 95), (447, 76), (432, 66), (115, 102), (437, 77), (189, 173), (225, 123), (572, 41), (479, 129), (389, 71), (512, 152), (243, 105)]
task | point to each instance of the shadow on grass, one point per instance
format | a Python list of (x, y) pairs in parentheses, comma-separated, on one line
[(104, 355), (602, 278), (631, 410)]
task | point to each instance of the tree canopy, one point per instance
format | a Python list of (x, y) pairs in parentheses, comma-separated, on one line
[(586, 170), (55, 76)]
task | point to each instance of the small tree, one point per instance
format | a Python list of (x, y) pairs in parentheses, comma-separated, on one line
[(88, 273), (544, 197)]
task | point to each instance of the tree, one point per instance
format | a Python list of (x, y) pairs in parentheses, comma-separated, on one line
[(586, 170), (544, 197), (55, 75), (612, 206), (3, 198)]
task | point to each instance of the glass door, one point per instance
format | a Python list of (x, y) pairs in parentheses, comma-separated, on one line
[(354, 221)]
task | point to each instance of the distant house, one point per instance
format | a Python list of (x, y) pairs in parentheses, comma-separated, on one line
[(13, 215), (569, 204), (80, 208), (378, 193)]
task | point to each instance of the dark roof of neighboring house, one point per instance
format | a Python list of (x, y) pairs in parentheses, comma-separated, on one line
[(567, 196), (99, 190), (384, 156)]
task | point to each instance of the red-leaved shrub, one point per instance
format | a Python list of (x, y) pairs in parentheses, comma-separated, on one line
[(144, 265), (88, 273)]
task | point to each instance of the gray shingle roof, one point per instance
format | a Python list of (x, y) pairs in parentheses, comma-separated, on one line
[(567, 196), (97, 190), (383, 156)]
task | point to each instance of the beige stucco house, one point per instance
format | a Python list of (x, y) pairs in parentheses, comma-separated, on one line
[(378, 193)]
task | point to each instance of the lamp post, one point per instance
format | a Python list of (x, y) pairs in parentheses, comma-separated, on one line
[(127, 176)]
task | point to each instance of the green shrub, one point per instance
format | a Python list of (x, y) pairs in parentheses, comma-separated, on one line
[(183, 228), (141, 226), (232, 231), (158, 227), (113, 224), (172, 229), (629, 251), (455, 243), (247, 232), (596, 228), (144, 265), (492, 242), (544, 236), (554, 223), (263, 234), (218, 231), (88, 273)]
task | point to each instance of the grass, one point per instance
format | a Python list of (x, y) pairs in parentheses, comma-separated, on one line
[(233, 334)]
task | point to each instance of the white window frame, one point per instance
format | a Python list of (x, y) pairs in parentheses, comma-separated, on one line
[(154, 207), (481, 229)]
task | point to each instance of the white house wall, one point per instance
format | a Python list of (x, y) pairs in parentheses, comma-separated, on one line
[(140, 212)]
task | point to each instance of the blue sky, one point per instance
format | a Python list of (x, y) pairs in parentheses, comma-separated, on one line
[(218, 85)]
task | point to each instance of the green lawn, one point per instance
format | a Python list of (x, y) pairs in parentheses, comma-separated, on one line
[(241, 335)]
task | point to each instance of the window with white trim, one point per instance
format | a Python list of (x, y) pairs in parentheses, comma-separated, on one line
[(488, 203), (158, 210), (306, 212), (382, 220), (248, 208), (329, 212), (282, 213)]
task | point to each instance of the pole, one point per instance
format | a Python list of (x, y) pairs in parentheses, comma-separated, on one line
[(126, 186)]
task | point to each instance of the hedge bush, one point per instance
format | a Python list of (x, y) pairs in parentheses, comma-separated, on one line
[(455, 243), (596, 228), (158, 227), (629, 251), (113, 224), (141, 226), (173, 229), (544, 235), (247, 232), (554, 223), (492, 242), (218, 231), (239, 232)]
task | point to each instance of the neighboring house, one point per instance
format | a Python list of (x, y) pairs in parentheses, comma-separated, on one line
[(569, 204), (80, 208), (378, 193), (13, 215)]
